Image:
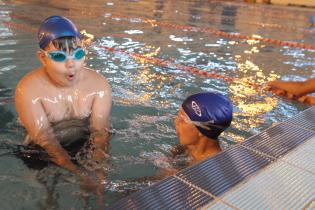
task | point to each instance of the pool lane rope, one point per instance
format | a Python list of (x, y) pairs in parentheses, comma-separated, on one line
[(168, 64), (262, 25), (222, 33), (219, 33)]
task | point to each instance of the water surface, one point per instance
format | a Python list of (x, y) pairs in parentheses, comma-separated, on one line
[(145, 48)]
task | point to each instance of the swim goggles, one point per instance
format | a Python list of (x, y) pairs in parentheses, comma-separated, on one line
[(61, 56), (205, 125)]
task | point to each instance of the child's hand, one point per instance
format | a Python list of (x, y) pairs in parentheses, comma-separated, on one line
[(278, 91), (88, 185), (307, 99), (270, 87), (302, 99), (290, 96)]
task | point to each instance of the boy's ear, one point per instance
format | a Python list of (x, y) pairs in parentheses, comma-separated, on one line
[(41, 57)]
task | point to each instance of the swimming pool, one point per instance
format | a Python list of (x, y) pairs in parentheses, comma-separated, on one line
[(154, 54)]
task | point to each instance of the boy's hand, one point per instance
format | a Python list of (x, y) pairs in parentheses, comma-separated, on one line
[(99, 155), (87, 184), (96, 187), (307, 99), (278, 91), (275, 91), (99, 141)]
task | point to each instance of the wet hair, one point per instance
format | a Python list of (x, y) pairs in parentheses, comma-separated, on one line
[(67, 43)]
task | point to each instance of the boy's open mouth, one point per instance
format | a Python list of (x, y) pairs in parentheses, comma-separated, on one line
[(70, 77)]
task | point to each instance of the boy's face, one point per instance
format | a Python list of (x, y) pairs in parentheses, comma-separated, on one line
[(187, 133), (64, 73)]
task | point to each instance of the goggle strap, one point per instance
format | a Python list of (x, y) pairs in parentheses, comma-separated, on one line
[(204, 125)]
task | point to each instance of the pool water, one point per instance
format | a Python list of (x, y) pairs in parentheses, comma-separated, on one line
[(153, 53)]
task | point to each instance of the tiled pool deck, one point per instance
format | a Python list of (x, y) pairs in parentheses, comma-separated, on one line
[(272, 170)]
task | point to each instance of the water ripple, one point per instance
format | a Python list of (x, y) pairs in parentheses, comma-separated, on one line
[(7, 68)]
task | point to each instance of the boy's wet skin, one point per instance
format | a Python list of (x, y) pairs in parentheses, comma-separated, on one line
[(64, 89)]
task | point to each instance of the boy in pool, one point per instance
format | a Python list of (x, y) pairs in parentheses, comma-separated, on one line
[(200, 120), (63, 89), (294, 90)]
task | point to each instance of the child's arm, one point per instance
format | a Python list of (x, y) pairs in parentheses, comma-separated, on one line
[(100, 120), (296, 89)]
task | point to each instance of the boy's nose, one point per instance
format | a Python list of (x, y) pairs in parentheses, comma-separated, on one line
[(69, 63)]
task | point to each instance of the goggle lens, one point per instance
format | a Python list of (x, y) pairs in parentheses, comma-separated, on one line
[(57, 56), (78, 55), (61, 56)]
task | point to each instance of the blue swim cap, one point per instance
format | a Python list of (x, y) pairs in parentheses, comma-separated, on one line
[(210, 112), (55, 27)]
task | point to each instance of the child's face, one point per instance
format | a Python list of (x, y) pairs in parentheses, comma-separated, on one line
[(64, 73), (187, 133)]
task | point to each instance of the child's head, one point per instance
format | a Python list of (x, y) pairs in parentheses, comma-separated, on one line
[(59, 31), (61, 53), (209, 112)]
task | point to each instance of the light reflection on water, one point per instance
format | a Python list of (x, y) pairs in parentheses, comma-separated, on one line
[(147, 93)]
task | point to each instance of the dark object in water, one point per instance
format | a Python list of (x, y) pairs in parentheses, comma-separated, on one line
[(36, 157), (72, 135), (33, 156), (69, 132)]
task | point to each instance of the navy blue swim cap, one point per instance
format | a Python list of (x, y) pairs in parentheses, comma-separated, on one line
[(55, 27), (210, 112)]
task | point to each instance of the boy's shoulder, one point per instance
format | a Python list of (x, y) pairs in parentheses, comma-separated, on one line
[(31, 79), (94, 77)]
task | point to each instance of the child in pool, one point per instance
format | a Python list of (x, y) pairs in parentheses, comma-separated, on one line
[(294, 90), (63, 89), (200, 121)]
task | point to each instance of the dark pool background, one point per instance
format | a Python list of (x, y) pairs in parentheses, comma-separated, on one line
[(147, 93)]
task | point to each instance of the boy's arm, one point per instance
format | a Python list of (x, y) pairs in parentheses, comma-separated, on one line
[(295, 88), (100, 121), (34, 118)]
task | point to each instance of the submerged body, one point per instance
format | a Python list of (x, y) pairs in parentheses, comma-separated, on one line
[(72, 135)]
